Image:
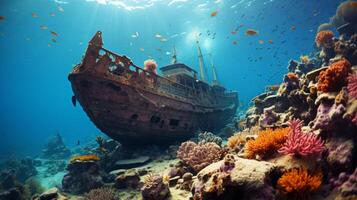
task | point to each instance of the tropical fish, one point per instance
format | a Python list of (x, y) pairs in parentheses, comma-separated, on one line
[(251, 32), (214, 13), (2, 18), (60, 9), (270, 41), (34, 15), (54, 33), (44, 27)]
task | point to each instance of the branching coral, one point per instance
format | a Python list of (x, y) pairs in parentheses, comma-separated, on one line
[(301, 144), (332, 79), (198, 156), (104, 193), (324, 39), (352, 85), (299, 182), (84, 158), (267, 142)]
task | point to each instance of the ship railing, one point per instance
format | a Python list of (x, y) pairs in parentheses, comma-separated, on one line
[(161, 84)]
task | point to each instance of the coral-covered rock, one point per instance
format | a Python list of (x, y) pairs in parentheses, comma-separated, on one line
[(269, 117), (51, 194), (22, 168), (129, 179), (249, 179), (327, 116), (301, 144), (198, 156), (56, 149), (340, 154), (205, 137), (154, 188), (334, 78), (82, 177), (348, 189)]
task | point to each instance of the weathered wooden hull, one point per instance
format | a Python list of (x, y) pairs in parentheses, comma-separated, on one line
[(131, 115)]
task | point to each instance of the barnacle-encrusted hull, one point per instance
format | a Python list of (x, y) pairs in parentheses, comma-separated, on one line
[(132, 108)]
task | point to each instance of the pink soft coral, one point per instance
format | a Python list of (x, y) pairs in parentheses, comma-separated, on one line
[(301, 144), (352, 85)]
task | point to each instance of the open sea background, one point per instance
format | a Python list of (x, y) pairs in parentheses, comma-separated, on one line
[(35, 100)]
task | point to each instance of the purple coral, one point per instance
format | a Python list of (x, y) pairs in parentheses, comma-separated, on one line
[(301, 144), (198, 156), (327, 115), (346, 184), (352, 85)]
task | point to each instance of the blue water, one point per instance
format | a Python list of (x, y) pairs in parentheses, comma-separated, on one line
[(36, 95)]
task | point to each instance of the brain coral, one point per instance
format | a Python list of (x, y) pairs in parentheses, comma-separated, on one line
[(299, 182), (324, 39), (332, 79), (198, 156), (267, 142)]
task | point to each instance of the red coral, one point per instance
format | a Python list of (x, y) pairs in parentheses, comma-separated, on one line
[(352, 85), (301, 144), (324, 39), (332, 79), (198, 156)]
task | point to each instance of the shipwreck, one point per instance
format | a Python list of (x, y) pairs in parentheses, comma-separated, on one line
[(134, 105)]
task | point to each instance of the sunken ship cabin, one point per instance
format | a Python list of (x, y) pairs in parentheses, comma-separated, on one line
[(133, 105)]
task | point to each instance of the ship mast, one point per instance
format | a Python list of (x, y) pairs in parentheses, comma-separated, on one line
[(174, 56), (215, 79), (200, 60)]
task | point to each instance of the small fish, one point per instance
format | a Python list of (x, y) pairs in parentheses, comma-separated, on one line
[(235, 42), (60, 9), (52, 14), (44, 27), (214, 13), (163, 40), (270, 41), (2, 18), (261, 41), (34, 15), (158, 36), (53, 40), (54, 33), (141, 49), (135, 35), (293, 28), (251, 32)]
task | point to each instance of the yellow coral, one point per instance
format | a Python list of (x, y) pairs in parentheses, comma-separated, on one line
[(304, 59), (267, 142), (235, 140), (299, 182), (83, 158)]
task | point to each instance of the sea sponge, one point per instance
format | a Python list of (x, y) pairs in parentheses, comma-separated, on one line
[(301, 144), (299, 182), (334, 77), (352, 86), (198, 156), (84, 158), (324, 39), (150, 65), (267, 142)]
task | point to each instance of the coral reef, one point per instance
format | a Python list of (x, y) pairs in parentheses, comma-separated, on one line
[(205, 137), (103, 193), (198, 156), (267, 143), (352, 86), (324, 39), (56, 149), (299, 183), (129, 179), (334, 78), (346, 185), (84, 158), (22, 168), (301, 144), (155, 188)]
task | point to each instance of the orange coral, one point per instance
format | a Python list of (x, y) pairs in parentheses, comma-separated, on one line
[(299, 182), (324, 39), (235, 140), (332, 79), (267, 142), (292, 76), (84, 158)]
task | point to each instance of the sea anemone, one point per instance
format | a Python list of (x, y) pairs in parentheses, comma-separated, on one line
[(84, 158), (301, 144), (267, 142), (334, 78), (324, 39), (150, 65), (299, 183)]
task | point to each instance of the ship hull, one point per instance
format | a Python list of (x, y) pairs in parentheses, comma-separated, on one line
[(132, 115)]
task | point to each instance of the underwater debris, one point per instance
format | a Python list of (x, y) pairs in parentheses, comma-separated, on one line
[(198, 156), (301, 144), (334, 78), (299, 183), (267, 143)]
